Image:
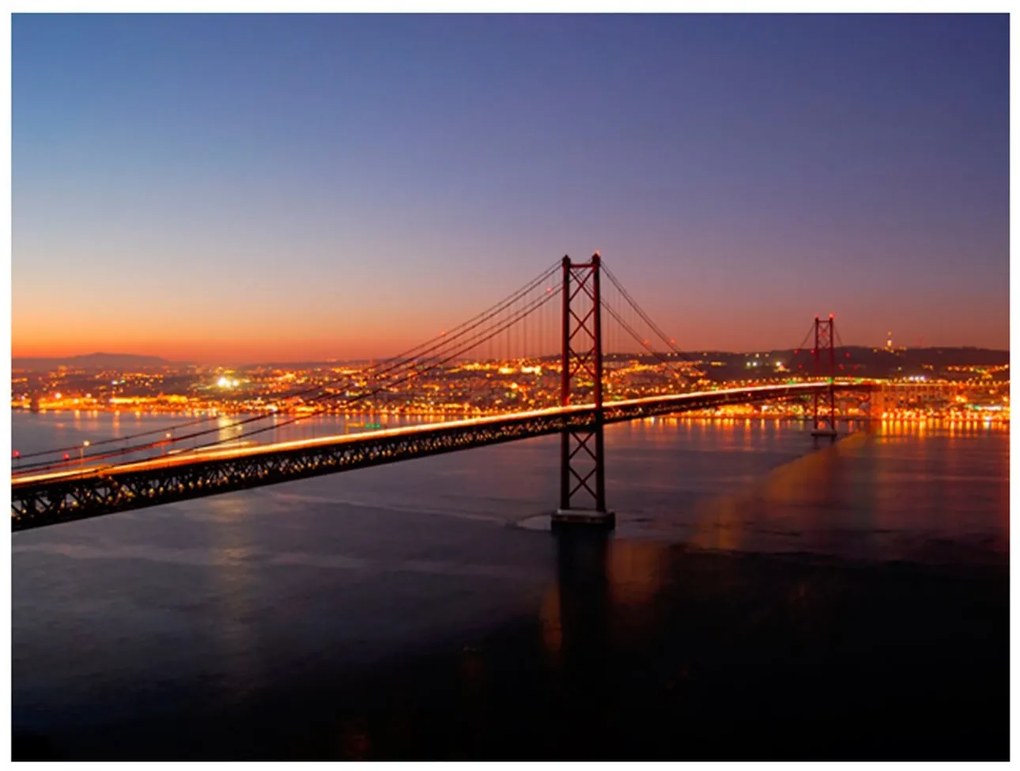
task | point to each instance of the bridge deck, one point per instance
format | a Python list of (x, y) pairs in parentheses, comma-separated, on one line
[(49, 498)]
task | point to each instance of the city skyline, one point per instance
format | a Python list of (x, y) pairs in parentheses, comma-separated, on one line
[(283, 188), (122, 359)]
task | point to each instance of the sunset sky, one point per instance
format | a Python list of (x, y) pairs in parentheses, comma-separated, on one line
[(246, 188)]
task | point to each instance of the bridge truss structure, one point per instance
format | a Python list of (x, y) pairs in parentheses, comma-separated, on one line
[(53, 491), (80, 495)]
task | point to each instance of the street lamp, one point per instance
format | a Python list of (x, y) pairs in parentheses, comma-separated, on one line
[(81, 452)]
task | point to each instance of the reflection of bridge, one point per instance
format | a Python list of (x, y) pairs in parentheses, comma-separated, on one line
[(51, 491)]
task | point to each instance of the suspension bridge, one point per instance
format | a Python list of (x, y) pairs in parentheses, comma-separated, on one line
[(137, 471)]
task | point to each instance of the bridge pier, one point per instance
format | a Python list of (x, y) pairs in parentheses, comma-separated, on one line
[(876, 404), (582, 459), (567, 517)]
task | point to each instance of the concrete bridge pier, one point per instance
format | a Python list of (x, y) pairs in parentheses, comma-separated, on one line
[(606, 519)]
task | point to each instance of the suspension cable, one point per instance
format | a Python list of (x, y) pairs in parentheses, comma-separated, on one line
[(470, 343), (432, 344), (670, 343), (644, 344)]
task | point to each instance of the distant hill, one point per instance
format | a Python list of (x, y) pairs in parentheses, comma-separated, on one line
[(92, 361), (875, 362), (851, 360)]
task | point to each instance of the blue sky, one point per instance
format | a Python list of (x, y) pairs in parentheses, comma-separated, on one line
[(204, 186)]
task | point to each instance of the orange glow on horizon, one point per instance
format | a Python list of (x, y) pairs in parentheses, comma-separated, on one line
[(238, 340), (211, 352)]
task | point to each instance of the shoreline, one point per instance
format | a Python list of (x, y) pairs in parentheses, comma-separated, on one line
[(995, 419)]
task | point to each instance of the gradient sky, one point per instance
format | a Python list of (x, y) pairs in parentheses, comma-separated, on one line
[(244, 188)]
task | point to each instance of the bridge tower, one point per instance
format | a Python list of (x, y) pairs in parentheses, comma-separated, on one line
[(824, 354), (582, 463)]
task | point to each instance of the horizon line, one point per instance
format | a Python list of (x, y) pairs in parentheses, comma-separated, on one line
[(338, 360)]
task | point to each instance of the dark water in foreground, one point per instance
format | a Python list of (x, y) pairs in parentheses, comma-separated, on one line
[(758, 599)]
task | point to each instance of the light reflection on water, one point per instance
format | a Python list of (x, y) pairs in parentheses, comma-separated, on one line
[(221, 601), (890, 490)]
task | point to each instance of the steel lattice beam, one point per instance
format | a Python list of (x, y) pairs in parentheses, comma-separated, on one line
[(824, 354), (582, 452), (65, 497)]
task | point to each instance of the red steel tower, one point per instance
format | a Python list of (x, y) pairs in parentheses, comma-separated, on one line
[(582, 467), (824, 354)]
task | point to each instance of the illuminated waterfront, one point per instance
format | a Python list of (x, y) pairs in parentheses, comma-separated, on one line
[(336, 434), (912, 388)]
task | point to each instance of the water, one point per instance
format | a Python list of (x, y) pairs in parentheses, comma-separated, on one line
[(760, 597)]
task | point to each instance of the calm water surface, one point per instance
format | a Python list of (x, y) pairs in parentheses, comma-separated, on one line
[(423, 610)]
